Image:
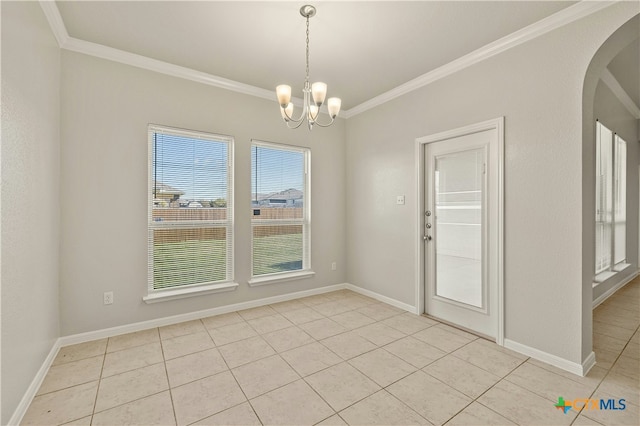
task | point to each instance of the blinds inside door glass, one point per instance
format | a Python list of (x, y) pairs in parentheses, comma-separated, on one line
[(190, 232), (279, 219)]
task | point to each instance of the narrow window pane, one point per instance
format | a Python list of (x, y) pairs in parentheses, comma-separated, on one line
[(280, 226), (604, 197), (620, 200)]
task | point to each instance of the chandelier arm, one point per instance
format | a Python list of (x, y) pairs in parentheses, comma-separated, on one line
[(299, 120), (324, 125)]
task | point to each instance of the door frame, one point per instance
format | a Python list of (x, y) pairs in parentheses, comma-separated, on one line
[(495, 124)]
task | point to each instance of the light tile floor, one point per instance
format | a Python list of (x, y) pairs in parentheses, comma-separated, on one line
[(334, 359)]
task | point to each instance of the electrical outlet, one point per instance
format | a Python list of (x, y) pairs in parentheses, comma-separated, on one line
[(108, 298), (400, 200), (334, 266)]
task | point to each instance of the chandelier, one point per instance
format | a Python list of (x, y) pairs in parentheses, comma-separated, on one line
[(314, 94)]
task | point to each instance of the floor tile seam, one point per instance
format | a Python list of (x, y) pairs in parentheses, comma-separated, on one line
[(95, 400), (131, 347), (540, 394), (271, 390), (335, 412), (505, 415), (520, 362), (130, 402), (373, 380), (173, 406), (405, 404), (556, 374)]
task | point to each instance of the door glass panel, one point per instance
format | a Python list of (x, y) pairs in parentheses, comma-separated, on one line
[(459, 187)]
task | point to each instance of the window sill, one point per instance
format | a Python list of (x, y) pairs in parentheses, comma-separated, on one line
[(605, 275), (275, 278), (166, 295)]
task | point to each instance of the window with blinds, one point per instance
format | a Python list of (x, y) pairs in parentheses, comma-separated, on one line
[(280, 209), (611, 189), (190, 209)]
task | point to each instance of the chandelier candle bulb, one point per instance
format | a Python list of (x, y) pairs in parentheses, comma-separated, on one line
[(313, 113), (333, 105), (319, 92), (287, 112), (283, 92)]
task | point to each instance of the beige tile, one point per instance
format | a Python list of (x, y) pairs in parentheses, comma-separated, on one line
[(382, 367), (348, 345), (330, 385), (206, 397), (608, 343), (181, 329), (293, 404), (547, 384), (614, 331), (334, 420), (331, 308), (80, 351), (264, 375), (414, 351), (126, 387), (240, 415), (494, 346), (322, 328), (604, 358), (315, 300), (186, 344), (232, 333), (62, 406), (352, 319), (260, 311), (619, 386), (85, 421), (289, 305), (380, 311), (441, 338), (130, 340), (632, 351), (71, 374), (409, 323), (302, 316), (245, 351), (381, 408), (152, 410), (429, 397), (477, 414), (592, 379), (627, 366), (488, 358), (462, 376), (196, 366), (507, 399), (581, 420), (222, 320), (380, 334), (310, 358), (289, 338), (269, 323), (628, 416), (130, 359)]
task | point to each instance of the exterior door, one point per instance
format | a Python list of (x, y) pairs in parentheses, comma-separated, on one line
[(461, 231)]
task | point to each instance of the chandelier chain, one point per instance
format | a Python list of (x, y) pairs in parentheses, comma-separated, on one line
[(307, 71)]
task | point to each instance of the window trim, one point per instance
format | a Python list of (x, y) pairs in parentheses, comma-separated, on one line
[(171, 293), (306, 271)]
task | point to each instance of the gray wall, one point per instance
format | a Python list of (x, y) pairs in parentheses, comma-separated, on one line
[(538, 88), (30, 197), (106, 107), (609, 110)]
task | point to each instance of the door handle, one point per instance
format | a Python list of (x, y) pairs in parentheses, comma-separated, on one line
[(426, 237)]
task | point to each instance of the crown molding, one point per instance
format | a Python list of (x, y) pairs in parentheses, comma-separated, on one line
[(624, 98), (537, 29), (564, 17)]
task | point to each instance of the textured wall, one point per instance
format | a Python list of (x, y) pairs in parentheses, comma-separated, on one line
[(30, 197)]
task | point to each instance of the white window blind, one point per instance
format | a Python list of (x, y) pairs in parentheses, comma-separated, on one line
[(190, 209), (611, 169), (280, 209)]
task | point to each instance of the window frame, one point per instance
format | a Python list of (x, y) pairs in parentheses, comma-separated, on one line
[(306, 271), (177, 292), (610, 199)]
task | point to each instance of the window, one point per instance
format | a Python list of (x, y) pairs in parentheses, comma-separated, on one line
[(190, 212), (280, 211), (611, 187)]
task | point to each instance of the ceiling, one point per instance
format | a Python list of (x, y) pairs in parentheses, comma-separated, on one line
[(360, 49), (625, 67)]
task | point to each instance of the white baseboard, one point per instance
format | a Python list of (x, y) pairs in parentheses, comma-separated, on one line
[(28, 396), (381, 298), (161, 322), (607, 294), (556, 361)]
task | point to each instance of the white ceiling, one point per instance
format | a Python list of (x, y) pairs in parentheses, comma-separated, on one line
[(360, 49), (625, 67)]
